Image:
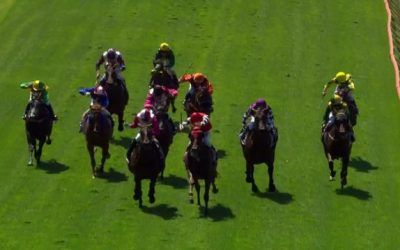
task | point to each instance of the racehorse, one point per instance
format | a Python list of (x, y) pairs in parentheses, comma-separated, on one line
[(166, 135), (145, 163), (117, 93), (201, 165), (201, 101), (353, 110), (337, 144), (38, 126), (163, 77), (259, 147), (98, 131)]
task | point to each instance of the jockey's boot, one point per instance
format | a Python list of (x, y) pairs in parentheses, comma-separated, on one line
[(51, 112), (242, 135), (129, 152)]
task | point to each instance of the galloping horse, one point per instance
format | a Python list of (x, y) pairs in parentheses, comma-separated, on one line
[(161, 77), (118, 94), (201, 165), (259, 147), (98, 131), (201, 101), (145, 163), (337, 144), (38, 126), (166, 135)]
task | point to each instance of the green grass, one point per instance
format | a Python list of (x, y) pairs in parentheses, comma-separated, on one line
[(281, 50)]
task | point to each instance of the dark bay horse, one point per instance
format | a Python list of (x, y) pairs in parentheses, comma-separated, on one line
[(201, 101), (117, 94), (38, 126), (166, 135), (98, 131), (201, 165), (145, 163), (337, 145), (161, 77), (259, 148)]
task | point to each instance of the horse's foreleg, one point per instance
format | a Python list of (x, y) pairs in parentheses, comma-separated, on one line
[(152, 191), (250, 177), (31, 149), (90, 149), (138, 191), (104, 157), (271, 186), (343, 173), (197, 186), (121, 121), (206, 196), (38, 152), (191, 184)]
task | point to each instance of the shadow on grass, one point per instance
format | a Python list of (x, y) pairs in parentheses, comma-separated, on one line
[(124, 141), (354, 192), (113, 176), (162, 210), (217, 213), (221, 153), (361, 165), (52, 167), (278, 197), (175, 181)]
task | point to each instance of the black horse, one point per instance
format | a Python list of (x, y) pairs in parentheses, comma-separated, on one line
[(162, 76), (337, 145), (98, 131), (145, 163), (259, 147), (38, 126), (201, 164), (117, 93), (201, 101)]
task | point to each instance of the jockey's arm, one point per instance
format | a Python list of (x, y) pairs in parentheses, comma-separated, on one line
[(26, 85), (351, 85), (121, 62), (186, 78), (134, 123), (171, 59), (86, 91), (100, 62), (326, 114), (327, 85)]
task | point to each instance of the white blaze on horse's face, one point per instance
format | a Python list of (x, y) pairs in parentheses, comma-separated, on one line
[(145, 138), (341, 128), (195, 144)]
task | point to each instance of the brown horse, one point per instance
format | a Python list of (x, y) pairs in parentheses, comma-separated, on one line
[(38, 126), (337, 145), (145, 163), (98, 131), (259, 147), (201, 165), (201, 101), (117, 93), (166, 135)]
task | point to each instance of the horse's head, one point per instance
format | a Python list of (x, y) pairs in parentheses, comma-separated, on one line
[(37, 110), (111, 74), (341, 125), (145, 135), (259, 120)]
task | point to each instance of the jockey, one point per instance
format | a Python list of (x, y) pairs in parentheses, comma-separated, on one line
[(260, 107), (198, 81), (165, 55), (335, 106), (38, 89), (145, 118), (201, 121), (111, 57), (344, 87), (99, 100), (159, 97)]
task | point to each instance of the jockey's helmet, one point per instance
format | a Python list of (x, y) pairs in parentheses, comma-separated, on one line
[(198, 78), (260, 103), (164, 47), (38, 85), (111, 54), (146, 116), (196, 117), (341, 77)]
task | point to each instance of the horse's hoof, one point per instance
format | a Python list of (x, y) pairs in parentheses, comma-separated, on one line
[(120, 127), (249, 179), (191, 201), (30, 163), (254, 188), (48, 141), (215, 190), (140, 203), (271, 188), (136, 197), (107, 156), (343, 182), (332, 175), (152, 199)]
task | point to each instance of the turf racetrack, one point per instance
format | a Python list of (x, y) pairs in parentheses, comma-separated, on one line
[(281, 50)]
